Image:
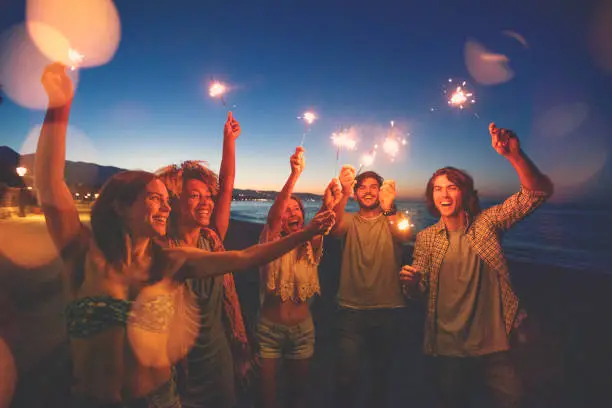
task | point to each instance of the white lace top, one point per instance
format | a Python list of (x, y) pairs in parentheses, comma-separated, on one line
[(293, 276)]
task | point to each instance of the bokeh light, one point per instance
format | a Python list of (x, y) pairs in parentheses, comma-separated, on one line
[(485, 67), (21, 68), (90, 28)]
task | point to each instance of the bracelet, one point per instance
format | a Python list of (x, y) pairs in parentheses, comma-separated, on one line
[(387, 213)]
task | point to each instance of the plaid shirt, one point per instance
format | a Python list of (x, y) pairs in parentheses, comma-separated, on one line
[(484, 233)]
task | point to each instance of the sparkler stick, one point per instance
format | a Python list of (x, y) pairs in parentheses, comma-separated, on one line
[(217, 90), (308, 117), (342, 139)]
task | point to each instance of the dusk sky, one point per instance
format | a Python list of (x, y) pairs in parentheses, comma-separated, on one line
[(354, 63)]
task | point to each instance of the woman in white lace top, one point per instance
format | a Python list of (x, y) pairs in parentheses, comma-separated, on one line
[(285, 328)]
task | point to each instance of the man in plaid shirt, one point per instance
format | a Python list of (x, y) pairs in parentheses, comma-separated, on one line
[(459, 266)]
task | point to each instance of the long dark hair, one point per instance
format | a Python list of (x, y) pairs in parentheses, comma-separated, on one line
[(463, 181), (107, 227)]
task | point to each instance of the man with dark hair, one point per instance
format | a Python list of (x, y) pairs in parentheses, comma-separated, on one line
[(370, 299), (458, 264), (200, 218)]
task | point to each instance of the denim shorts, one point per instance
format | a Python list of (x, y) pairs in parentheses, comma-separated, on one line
[(294, 342)]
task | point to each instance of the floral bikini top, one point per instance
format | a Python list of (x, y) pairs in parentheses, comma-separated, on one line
[(91, 315)]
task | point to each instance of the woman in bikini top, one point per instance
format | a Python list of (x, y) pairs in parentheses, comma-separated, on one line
[(124, 314)]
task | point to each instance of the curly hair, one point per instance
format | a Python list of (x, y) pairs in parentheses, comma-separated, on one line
[(463, 181), (174, 176)]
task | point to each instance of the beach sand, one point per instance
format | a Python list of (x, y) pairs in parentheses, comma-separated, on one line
[(566, 361)]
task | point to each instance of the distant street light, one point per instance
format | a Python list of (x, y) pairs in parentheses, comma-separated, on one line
[(21, 171)]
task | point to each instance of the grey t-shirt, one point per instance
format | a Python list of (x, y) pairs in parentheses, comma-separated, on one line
[(469, 309), (369, 278)]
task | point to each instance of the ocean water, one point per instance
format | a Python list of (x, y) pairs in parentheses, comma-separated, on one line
[(556, 234)]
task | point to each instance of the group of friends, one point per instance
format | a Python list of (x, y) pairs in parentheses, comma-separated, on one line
[(153, 315)]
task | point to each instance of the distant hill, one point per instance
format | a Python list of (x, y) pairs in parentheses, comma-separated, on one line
[(94, 176), (9, 161)]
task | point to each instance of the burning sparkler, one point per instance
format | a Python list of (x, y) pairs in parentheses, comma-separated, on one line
[(404, 221), (461, 96), (217, 90), (75, 58), (392, 143), (308, 118), (343, 140), (367, 159)]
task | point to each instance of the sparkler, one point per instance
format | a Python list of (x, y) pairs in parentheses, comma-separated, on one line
[(217, 90), (342, 139), (308, 118), (367, 159), (392, 143), (404, 221), (461, 96), (75, 58)]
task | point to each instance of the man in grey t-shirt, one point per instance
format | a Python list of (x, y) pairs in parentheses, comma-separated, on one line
[(370, 297)]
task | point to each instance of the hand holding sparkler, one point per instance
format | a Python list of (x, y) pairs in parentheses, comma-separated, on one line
[(232, 127), (504, 141), (332, 194), (347, 179), (322, 222), (297, 161), (387, 195), (57, 84)]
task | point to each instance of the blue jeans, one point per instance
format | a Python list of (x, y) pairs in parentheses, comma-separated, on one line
[(373, 334)]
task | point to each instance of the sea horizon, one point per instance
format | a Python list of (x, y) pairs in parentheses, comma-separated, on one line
[(557, 234)]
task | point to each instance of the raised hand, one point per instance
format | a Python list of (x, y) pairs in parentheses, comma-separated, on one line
[(332, 194), (387, 194), (297, 161), (57, 84), (322, 222), (347, 179), (504, 141), (232, 127)]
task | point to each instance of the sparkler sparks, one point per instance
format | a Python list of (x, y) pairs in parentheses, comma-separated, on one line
[(217, 89), (308, 118), (404, 222), (344, 139), (461, 96), (75, 58), (367, 159), (392, 143)]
